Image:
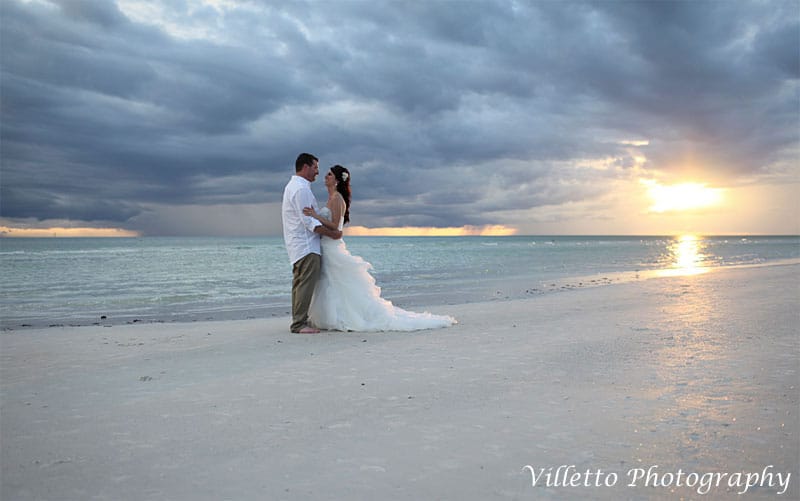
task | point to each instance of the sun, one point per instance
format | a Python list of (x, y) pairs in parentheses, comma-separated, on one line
[(681, 197)]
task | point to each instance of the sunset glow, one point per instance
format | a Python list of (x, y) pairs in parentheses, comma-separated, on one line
[(416, 231), (681, 197), (6, 231)]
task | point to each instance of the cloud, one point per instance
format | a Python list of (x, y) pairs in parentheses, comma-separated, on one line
[(447, 114)]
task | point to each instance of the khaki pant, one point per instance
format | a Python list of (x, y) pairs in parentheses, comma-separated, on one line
[(306, 275)]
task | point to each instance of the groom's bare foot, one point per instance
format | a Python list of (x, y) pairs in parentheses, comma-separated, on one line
[(308, 330)]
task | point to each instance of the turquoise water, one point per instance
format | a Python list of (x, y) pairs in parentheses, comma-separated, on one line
[(78, 281)]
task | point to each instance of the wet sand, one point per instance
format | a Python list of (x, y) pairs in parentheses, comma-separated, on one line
[(683, 376)]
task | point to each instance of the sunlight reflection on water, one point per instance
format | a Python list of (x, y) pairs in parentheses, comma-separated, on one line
[(687, 257)]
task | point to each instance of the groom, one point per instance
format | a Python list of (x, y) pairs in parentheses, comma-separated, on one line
[(301, 234)]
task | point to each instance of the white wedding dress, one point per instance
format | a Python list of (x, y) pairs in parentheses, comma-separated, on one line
[(347, 299)]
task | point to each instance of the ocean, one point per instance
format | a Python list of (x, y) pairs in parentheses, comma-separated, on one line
[(85, 281)]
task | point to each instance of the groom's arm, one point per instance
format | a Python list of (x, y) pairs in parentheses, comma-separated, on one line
[(326, 232), (304, 198)]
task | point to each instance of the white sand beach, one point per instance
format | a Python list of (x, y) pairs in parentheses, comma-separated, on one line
[(690, 374)]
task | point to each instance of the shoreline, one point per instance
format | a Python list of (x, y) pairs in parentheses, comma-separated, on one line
[(491, 290), (695, 373)]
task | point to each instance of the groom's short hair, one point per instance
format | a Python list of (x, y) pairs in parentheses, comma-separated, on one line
[(304, 159)]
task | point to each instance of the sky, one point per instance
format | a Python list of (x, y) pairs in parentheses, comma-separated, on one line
[(454, 117)]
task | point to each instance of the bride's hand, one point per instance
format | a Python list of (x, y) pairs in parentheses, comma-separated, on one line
[(309, 211)]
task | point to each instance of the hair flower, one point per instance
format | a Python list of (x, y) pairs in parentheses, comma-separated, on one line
[(345, 175)]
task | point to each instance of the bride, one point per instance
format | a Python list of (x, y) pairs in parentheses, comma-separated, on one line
[(346, 297)]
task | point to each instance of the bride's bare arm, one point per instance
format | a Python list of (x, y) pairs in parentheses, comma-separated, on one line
[(337, 209), (309, 211)]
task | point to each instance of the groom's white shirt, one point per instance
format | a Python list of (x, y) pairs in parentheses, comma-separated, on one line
[(298, 230)]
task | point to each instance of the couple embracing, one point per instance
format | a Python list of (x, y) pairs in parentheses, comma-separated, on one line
[(331, 288)]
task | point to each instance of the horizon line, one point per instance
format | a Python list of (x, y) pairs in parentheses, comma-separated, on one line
[(540, 235)]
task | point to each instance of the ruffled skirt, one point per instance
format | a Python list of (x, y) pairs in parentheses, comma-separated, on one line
[(347, 299)]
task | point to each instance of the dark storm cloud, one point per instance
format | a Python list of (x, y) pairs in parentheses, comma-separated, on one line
[(447, 112)]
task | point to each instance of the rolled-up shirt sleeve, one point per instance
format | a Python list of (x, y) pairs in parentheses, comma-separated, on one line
[(303, 199)]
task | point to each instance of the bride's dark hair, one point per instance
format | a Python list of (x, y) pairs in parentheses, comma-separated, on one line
[(342, 176)]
